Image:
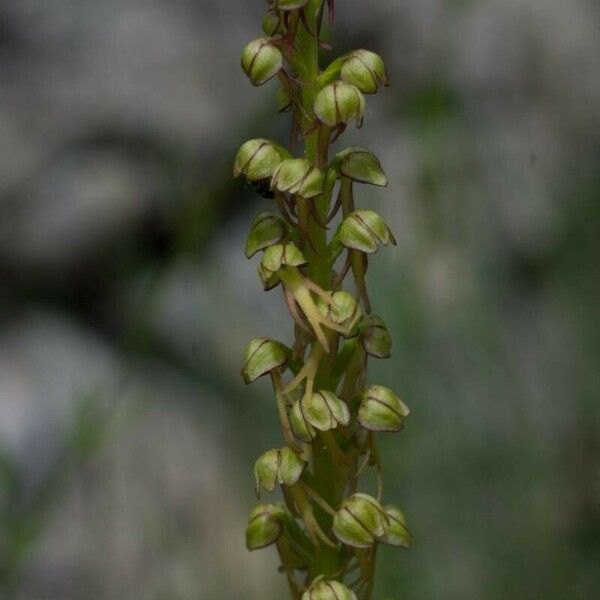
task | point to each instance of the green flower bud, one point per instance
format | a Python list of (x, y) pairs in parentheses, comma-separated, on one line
[(287, 4), (271, 23), (342, 309), (339, 103), (261, 60), (361, 165), (265, 526), (281, 466), (365, 70), (328, 590), (300, 426), (324, 410), (298, 176), (266, 230), (359, 521), (364, 230), (281, 255), (381, 410), (261, 357), (257, 159), (396, 531), (375, 337)]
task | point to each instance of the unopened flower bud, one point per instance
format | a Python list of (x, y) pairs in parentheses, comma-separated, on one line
[(266, 230), (361, 165), (328, 590), (265, 526), (261, 60), (287, 4), (281, 255), (396, 530), (339, 103), (343, 310), (324, 410), (261, 357), (257, 159), (300, 426), (298, 176), (281, 466), (365, 230), (365, 70), (375, 337), (359, 521), (381, 410)]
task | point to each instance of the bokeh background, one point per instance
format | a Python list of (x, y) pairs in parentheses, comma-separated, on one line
[(126, 435)]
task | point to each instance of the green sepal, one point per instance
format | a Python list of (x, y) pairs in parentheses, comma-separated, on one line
[(381, 410), (359, 521), (265, 526), (261, 60), (324, 410), (280, 255), (366, 70), (375, 337), (266, 230), (343, 310), (340, 103), (396, 529), (299, 424), (261, 357), (284, 102), (281, 466), (266, 470), (365, 230), (257, 159), (328, 589), (271, 23), (298, 176), (360, 165)]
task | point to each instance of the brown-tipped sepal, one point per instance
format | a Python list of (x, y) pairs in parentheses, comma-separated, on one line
[(396, 530), (360, 165), (340, 103), (265, 526), (261, 357), (328, 589), (298, 176), (365, 231), (257, 159), (381, 410), (375, 337), (266, 230), (366, 70), (261, 60), (275, 466), (359, 522)]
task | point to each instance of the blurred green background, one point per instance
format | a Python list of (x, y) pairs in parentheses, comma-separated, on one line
[(126, 436)]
